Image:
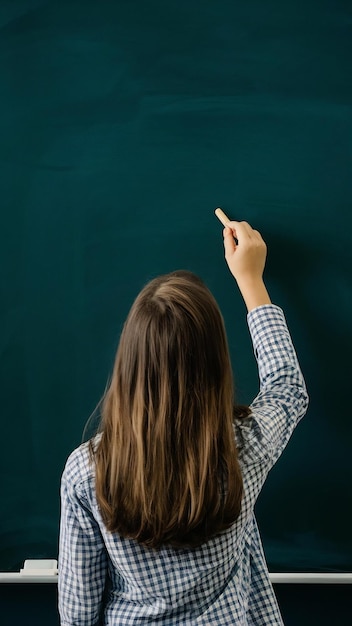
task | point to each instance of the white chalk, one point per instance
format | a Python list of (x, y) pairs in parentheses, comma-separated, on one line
[(39, 567), (225, 221), (222, 216)]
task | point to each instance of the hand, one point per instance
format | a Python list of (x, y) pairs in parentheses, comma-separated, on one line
[(246, 260)]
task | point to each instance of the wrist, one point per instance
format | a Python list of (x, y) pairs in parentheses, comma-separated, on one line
[(254, 293)]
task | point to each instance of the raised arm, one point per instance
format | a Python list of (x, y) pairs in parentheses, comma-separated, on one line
[(246, 261), (282, 399)]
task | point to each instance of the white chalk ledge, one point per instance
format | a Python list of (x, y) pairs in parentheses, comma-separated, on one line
[(276, 578)]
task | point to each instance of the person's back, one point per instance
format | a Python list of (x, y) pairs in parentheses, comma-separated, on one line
[(157, 522)]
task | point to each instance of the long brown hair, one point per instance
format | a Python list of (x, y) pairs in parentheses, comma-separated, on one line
[(166, 462)]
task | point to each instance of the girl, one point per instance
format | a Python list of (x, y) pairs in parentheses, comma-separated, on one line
[(157, 521)]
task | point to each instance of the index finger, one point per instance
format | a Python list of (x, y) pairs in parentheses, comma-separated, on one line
[(241, 228), (226, 222)]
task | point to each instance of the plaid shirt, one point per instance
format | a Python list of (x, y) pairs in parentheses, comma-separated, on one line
[(224, 581)]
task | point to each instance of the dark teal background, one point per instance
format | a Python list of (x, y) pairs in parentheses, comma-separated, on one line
[(124, 124)]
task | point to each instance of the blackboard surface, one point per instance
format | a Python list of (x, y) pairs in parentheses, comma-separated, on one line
[(124, 124)]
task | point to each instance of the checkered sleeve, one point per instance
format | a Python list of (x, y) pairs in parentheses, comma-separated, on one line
[(282, 400), (82, 554)]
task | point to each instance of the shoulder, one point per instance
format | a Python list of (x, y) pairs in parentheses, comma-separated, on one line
[(79, 467)]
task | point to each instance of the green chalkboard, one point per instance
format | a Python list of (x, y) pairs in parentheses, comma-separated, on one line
[(124, 124)]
